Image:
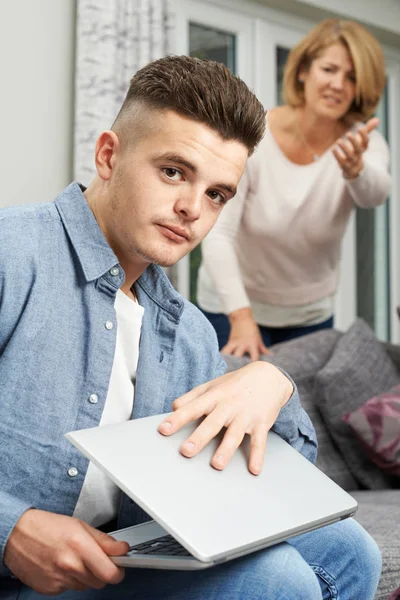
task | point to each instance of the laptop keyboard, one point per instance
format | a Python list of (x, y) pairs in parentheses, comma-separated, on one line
[(166, 545)]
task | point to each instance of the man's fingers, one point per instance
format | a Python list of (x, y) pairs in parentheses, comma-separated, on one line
[(85, 579), (206, 431), (258, 442), (76, 585), (110, 545), (103, 569), (185, 414), (96, 560), (232, 439), (187, 399), (113, 547), (75, 573)]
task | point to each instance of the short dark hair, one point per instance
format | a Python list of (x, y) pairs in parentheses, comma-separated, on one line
[(202, 90)]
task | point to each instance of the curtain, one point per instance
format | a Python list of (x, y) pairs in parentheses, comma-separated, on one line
[(115, 38)]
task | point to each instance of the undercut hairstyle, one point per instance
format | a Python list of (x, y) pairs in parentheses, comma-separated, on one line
[(365, 52), (203, 90)]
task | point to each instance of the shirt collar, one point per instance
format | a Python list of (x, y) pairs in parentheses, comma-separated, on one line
[(91, 247)]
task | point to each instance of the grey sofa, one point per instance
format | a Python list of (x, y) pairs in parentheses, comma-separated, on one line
[(335, 373)]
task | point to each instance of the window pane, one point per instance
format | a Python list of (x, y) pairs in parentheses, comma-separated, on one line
[(213, 44), (281, 58)]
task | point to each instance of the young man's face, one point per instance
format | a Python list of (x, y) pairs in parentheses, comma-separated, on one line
[(165, 193)]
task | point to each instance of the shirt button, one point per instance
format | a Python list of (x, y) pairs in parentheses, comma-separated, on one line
[(72, 471), (114, 271), (108, 325), (93, 398)]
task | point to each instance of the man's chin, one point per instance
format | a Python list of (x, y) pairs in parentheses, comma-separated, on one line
[(164, 263), (163, 259)]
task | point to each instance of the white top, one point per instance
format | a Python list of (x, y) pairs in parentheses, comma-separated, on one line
[(276, 245), (99, 499)]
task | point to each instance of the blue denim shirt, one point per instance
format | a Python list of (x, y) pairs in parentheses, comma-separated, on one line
[(58, 281)]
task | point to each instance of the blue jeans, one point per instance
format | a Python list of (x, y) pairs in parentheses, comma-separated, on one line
[(270, 335), (340, 561)]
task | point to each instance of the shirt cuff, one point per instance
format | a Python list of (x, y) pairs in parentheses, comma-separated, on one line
[(294, 425), (11, 510)]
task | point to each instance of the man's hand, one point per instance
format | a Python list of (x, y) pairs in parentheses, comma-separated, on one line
[(349, 150), (245, 401), (53, 553), (245, 336)]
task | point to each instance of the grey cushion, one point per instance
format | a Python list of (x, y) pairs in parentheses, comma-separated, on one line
[(379, 513), (329, 459), (358, 369), (305, 355), (301, 356)]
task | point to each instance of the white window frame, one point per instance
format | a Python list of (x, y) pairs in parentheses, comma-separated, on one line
[(393, 72)]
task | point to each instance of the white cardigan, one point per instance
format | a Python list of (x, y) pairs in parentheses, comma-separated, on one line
[(277, 242)]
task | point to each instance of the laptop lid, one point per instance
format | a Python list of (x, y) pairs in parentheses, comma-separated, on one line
[(214, 514)]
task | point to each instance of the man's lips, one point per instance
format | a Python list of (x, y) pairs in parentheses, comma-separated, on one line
[(177, 234)]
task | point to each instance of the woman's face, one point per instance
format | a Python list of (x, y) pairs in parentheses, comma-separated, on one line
[(329, 83)]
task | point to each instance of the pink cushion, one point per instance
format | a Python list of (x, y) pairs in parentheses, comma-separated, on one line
[(376, 424), (395, 595)]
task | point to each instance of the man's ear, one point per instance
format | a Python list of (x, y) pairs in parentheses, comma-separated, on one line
[(107, 148)]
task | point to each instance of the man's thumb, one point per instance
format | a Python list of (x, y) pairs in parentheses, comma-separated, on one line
[(108, 544)]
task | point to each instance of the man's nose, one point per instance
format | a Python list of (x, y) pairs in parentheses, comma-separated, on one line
[(189, 205)]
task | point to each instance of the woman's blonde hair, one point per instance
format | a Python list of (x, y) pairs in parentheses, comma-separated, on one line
[(365, 52)]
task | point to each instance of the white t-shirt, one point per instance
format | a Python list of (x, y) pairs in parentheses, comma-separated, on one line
[(99, 499)]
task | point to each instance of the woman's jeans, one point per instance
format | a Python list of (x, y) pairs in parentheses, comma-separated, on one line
[(270, 335), (339, 561)]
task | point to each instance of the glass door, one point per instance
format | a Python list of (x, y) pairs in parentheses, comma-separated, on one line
[(225, 36)]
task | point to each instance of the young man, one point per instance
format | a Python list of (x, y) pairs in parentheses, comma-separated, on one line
[(92, 332)]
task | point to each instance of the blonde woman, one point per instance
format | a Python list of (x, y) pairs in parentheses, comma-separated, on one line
[(271, 263)]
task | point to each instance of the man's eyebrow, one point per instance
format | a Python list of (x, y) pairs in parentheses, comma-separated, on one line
[(228, 188), (179, 160)]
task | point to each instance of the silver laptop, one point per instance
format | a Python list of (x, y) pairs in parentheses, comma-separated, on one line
[(202, 516)]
